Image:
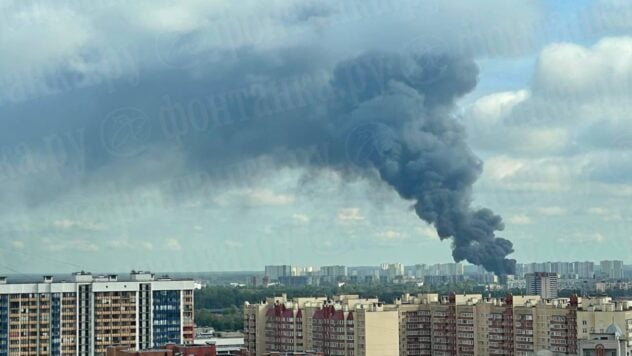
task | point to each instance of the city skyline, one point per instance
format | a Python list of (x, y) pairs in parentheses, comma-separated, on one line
[(522, 267), (131, 134)]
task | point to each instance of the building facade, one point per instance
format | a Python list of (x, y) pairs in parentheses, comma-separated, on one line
[(429, 324), (470, 325), (584, 269), (611, 269), (544, 284), (275, 272), (344, 326), (86, 315), (332, 274), (612, 342), (577, 269)]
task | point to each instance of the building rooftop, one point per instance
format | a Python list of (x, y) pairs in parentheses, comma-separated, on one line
[(614, 330), (83, 276)]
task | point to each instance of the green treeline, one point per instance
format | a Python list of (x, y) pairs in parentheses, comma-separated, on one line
[(221, 307)]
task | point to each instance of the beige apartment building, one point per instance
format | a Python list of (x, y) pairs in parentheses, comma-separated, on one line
[(344, 326), (597, 314), (471, 325), (429, 324)]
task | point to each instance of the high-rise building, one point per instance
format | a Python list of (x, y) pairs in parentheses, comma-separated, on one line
[(469, 325), (450, 269), (391, 270), (429, 324), (302, 271), (331, 274), (563, 269), (275, 272), (345, 325), (89, 313), (612, 269), (584, 269), (543, 284), (417, 271)]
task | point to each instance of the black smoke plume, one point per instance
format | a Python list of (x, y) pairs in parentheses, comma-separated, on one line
[(382, 116), (395, 113), (386, 116)]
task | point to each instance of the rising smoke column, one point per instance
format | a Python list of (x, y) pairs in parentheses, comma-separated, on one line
[(384, 116), (393, 115)]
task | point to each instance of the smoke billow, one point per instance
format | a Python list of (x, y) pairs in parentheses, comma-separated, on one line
[(386, 116), (393, 116)]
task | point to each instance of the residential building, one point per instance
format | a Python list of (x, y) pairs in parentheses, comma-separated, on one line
[(89, 313), (429, 324), (344, 325), (596, 314), (612, 269), (563, 269), (274, 273), (469, 325), (611, 342), (584, 269), (302, 271), (332, 274), (450, 269), (602, 287), (391, 270), (417, 271), (544, 284)]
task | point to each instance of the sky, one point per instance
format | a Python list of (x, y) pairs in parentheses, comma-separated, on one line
[(188, 136)]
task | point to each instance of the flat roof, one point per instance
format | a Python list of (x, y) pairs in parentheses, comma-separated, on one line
[(95, 277)]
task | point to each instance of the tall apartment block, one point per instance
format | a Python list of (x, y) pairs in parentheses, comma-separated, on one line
[(575, 269), (612, 269), (544, 284), (429, 324), (276, 272), (346, 325), (332, 274), (584, 269), (469, 325), (89, 313)]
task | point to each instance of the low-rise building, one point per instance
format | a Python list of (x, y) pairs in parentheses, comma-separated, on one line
[(166, 350), (611, 342)]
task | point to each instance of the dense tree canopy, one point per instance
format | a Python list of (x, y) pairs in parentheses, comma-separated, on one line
[(221, 306)]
